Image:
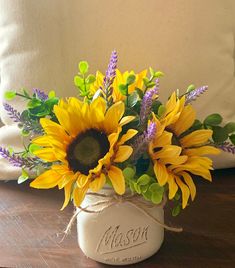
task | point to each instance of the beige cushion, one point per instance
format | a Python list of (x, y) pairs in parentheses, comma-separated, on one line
[(191, 41)]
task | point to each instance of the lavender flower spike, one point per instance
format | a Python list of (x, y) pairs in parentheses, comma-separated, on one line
[(141, 142), (192, 95), (14, 114), (40, 94), (227, 147), (17, 160), (111, 71), (147, 102)]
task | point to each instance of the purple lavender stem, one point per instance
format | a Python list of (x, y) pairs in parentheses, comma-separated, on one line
[(40, 94), (17, 160), (13, 114), (147, 102), (141, 143), (227, 147), (111, 71), (192, 95)]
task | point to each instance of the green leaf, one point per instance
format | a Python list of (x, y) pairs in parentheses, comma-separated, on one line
[(158, 74), (230, 127), (151, 84), (34, 103), (83, 67), (232, 139), (143, 180), (51, 94), (123, 89), (146, 81), (78, 81), (140, 92), (33, 148), (130, 79), (24, 133), (157, 193), (152, 72), (176, 210), (177, 196), (25, 92), (9, 95), (90, 79), (128, 173), (161, 110), (132, 99), (213, 120), (190, 88), (24, 176), (219, 134)]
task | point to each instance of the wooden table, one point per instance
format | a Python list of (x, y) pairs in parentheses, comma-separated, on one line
[(30, 221)]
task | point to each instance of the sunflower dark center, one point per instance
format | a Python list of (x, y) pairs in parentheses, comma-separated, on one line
[(86, 149)]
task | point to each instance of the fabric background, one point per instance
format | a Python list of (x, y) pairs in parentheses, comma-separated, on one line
[(191, 41)]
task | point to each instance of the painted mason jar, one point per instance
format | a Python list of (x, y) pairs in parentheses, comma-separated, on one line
[(122, 233)]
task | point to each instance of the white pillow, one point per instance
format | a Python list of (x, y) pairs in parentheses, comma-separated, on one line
[(191, 41)]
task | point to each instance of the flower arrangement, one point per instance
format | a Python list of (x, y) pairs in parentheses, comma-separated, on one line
[(117, 132)]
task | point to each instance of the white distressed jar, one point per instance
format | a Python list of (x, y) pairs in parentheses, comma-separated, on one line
[(121, 234)]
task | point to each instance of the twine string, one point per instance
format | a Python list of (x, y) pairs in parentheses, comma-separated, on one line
[(112, 200)]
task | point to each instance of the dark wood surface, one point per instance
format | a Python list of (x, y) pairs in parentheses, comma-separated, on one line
[(31, 221)]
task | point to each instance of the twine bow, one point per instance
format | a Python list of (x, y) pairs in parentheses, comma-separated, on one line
[(111, 200)]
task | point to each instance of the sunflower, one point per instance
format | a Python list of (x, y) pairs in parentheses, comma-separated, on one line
[(119, 79), (177, 155), (84, 147)]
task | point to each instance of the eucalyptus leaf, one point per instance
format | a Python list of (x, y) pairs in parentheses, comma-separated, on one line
[(128, 173), (176, 210), (130, 79), (230, 127), (232, 138), (83, 67), (220, 134), (123, 89), (90, 79), (190, 88), (9, 95), (158, 74), (213, 120), (132, 99), (143, 180), (33, 103), (161, 110), (78, 81)]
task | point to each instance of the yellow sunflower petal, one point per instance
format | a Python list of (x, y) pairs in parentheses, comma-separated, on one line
[(189, 181), (66, 178), (41, 141), (123, 153), (163, 140), (46, 154), (64, 120), (173, 187), (130, 134), (67, 194), (54, 129), (177, 160), (126, 119), (184, 190), (161, 173), (203, 150), (46, 180), (185, 121), (98, 183), (168, 151), (196, 138), (116, 177), (79, 194), (81, 180), (113, 116)]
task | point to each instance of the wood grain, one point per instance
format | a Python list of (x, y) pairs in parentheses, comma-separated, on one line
[(31, 224)]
